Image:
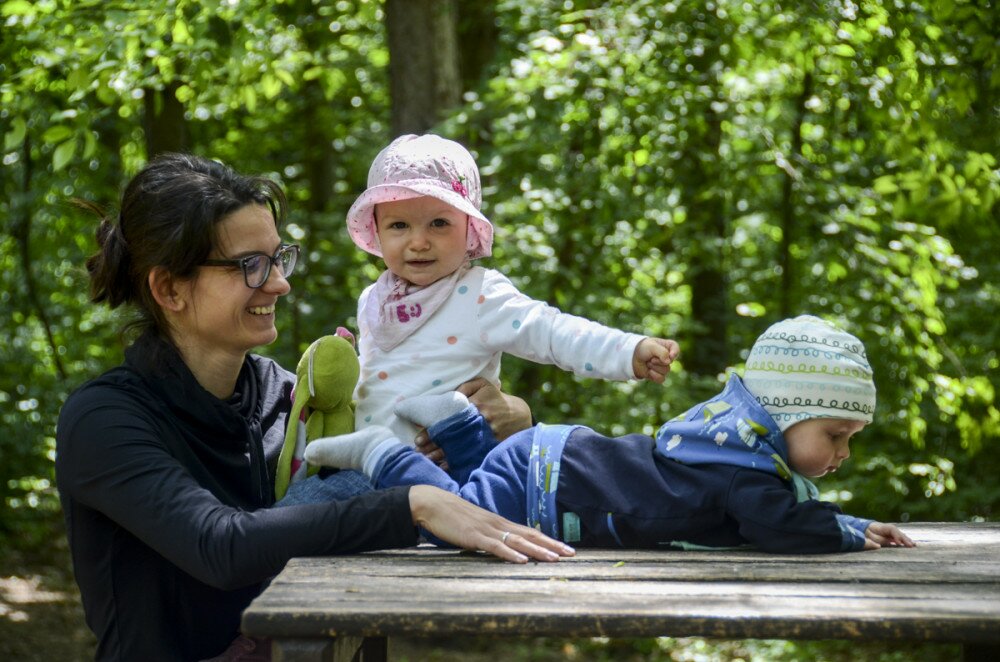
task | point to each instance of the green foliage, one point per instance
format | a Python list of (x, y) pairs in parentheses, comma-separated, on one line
[(834, 158)]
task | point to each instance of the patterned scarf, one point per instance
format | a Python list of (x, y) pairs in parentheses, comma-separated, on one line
[(400, 307)]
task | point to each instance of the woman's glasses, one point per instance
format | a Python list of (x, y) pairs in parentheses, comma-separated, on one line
[(256, 267)]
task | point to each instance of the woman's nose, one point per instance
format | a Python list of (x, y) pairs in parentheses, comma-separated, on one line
[(276, 282)]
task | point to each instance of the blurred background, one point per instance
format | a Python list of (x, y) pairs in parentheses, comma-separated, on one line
[(693, 170)]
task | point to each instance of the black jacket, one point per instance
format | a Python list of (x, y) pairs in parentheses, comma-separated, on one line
[(166, 489)]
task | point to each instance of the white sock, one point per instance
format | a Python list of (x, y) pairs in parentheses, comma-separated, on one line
[(426, 410), (347, 451)]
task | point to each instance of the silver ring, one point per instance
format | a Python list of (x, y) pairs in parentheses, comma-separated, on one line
[(503, 537)]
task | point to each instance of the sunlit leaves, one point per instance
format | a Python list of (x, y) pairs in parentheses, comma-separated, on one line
[(591, 136)]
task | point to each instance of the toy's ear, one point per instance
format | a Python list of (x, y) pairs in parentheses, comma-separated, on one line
[(346, 335), (311, 368)]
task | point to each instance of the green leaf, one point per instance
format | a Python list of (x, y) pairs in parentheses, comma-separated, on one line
[(58, 133), (934, 326), (89, 144), (184, 93), (270, 86), (885, 185), (180, 33), (14, 137), (78, 79), (17, 8), (843, 50), (63, 154), (250, 98)]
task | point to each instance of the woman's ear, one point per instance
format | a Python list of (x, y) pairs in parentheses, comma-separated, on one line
[(166, 290)]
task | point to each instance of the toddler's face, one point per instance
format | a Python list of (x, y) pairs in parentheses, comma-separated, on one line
[(819, 445), (423, 239)]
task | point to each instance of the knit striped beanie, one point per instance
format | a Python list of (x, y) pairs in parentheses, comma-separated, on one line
[(805, 367)]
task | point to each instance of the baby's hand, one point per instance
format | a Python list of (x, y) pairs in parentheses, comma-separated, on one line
[(886, 535), (652, 358)]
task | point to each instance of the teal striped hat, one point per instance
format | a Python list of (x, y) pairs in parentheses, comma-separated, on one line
[(805, 367)]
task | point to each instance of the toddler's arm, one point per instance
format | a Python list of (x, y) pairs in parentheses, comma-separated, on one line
[(652, 358), (879, 535)]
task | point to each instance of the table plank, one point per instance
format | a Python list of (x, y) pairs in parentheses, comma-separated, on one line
[(947, 589)]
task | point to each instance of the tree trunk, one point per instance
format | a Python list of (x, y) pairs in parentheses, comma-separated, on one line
[(785, 259), (423, 62), (477, 40), (709, 351), (164, 123), (21, 232)]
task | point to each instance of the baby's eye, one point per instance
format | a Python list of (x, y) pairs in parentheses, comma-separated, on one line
[(440, 223), (397, 225)]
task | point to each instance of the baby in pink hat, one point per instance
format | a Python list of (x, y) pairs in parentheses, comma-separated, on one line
[(433, 321)]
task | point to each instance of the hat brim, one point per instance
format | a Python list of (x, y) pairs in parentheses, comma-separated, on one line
[(361, 217)]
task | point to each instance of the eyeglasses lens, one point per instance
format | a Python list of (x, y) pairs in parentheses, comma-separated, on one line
[(255, 268), (288, 257)]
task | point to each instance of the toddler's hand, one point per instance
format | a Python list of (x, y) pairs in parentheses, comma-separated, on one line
[(652, 358), (879, 535)]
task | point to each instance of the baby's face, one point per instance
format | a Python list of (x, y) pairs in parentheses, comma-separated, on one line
[(818, 446), (423, 239)]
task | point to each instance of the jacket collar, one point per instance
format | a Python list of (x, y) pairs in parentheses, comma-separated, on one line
[(161, 367), (732, 428)]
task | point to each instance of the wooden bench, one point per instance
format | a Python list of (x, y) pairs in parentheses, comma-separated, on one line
[(947, 589)]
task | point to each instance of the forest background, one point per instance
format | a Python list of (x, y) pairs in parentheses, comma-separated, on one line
[(692, 170)]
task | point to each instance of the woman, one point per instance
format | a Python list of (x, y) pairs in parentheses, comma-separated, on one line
[(165, 464)]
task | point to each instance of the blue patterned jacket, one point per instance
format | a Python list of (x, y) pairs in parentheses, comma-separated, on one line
[(716, 476)]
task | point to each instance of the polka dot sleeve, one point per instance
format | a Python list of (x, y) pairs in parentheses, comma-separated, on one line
[(511, 322)]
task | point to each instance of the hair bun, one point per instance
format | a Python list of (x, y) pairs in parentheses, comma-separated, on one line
[(109, 267)]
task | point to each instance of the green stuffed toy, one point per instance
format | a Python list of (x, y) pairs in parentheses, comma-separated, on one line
[(324, 382)]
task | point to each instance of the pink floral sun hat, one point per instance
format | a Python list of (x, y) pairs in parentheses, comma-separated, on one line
[(414, 166)]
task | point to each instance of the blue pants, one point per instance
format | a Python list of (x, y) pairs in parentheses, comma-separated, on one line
[(517, 479), (336, 486), (466, 439), (498, 485), (492, 476)]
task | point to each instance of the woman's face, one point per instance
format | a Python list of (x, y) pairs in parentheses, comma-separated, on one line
[(224, 314)]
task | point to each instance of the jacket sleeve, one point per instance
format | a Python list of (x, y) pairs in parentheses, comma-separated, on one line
[(771, 519), (110, 459), (512, 322)]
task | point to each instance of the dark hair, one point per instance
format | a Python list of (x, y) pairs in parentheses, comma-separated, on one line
[(168, 218)]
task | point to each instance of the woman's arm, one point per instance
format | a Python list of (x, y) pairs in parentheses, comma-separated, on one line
[(112, 463)]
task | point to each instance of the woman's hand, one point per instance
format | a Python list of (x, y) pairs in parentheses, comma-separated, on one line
[(456, 521), (505, 413)]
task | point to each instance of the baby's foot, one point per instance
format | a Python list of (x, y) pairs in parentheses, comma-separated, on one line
[(426, 410), (346, 451)]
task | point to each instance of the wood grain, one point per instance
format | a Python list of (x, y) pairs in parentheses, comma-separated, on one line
[(946, 589)]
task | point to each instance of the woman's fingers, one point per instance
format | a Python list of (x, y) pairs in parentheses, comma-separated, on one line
[(428, 448), (535, 544), (465, 525)]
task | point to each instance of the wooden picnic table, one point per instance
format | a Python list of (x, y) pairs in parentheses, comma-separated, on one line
[(947, 589)]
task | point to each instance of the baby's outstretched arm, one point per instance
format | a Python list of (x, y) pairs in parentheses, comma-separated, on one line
[(652, 358), (879, 535)]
